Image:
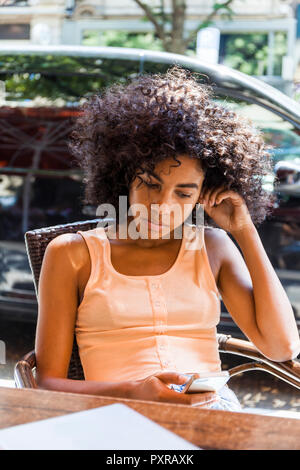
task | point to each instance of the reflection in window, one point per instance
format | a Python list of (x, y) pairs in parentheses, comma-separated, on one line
[(278, 133), (11, 193), (10, 187), (52, 201), (60, 80)]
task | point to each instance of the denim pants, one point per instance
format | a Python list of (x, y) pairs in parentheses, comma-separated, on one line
[(227, 400)]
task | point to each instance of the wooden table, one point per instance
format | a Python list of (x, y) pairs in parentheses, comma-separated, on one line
[(208, 429)]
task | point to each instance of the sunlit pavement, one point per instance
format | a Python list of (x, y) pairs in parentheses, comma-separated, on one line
[(256, 390)]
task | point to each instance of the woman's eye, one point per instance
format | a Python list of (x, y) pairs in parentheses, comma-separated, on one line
[(155, 185), (151, 185)]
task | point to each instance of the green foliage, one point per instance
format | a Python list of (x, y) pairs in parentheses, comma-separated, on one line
[(222, 9), (62, 78), (249, 52), (52, 80), (122, 39), (158, 16)]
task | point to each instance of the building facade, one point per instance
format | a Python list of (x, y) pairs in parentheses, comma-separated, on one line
[(65, 22)]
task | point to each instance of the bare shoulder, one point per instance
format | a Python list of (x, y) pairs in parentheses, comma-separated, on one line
[(220, 246), (215, 240), (69, 246), (214, 237)]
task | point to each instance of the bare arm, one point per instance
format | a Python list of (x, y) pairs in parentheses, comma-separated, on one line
[(58, 302), (254, 296)]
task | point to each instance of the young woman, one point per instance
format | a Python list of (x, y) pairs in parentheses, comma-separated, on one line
[(145, 308)]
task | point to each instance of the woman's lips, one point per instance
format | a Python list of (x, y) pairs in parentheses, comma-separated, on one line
[(155, 225)]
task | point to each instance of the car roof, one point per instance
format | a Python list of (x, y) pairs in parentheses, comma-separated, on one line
[(225, 81)]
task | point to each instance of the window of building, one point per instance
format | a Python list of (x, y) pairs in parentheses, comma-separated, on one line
[(14, 31)]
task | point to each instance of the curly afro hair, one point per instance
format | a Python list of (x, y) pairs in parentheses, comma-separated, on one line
[(130, 127)]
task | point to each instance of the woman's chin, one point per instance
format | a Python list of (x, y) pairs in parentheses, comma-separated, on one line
[(153, 231)]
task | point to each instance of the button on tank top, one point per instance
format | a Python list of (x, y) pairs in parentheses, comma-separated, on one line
[(130, 327)]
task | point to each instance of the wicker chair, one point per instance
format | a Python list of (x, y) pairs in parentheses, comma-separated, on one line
[(36, 242)]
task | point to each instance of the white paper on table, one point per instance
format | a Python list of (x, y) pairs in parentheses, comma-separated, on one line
[(115, 426)]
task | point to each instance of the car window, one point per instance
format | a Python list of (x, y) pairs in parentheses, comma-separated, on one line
[(54, 200), (11, 190), (59, 84), (283, 138), (57, 80), (32, 201), (277, 132)]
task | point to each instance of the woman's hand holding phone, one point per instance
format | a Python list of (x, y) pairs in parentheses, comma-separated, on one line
[(208, 382), (155, 388)]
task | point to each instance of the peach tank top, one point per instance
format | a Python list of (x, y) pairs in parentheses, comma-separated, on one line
[(130, 327)]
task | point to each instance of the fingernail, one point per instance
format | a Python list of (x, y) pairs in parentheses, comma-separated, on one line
[(185, 376)]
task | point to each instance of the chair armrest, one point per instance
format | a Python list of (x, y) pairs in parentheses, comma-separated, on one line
[(23, 372), (289, 371), (292, 366)]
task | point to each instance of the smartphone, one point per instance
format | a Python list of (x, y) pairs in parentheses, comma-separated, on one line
[(208, 382)]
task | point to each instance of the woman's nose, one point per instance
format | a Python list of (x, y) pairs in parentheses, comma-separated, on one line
[(165, 211), (164, 198), (162, 207)]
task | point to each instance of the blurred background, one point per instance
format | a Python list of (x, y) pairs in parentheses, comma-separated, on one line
[(53, 54)]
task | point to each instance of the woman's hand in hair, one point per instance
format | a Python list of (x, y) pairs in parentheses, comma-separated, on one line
[(227, 208)]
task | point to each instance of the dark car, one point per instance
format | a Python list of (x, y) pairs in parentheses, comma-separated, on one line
[(40, 185)]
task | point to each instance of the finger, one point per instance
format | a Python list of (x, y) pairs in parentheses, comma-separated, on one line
[(172, 377), (220, 197), (210, 196), (194, 399), (206, 196), (214, 195)]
